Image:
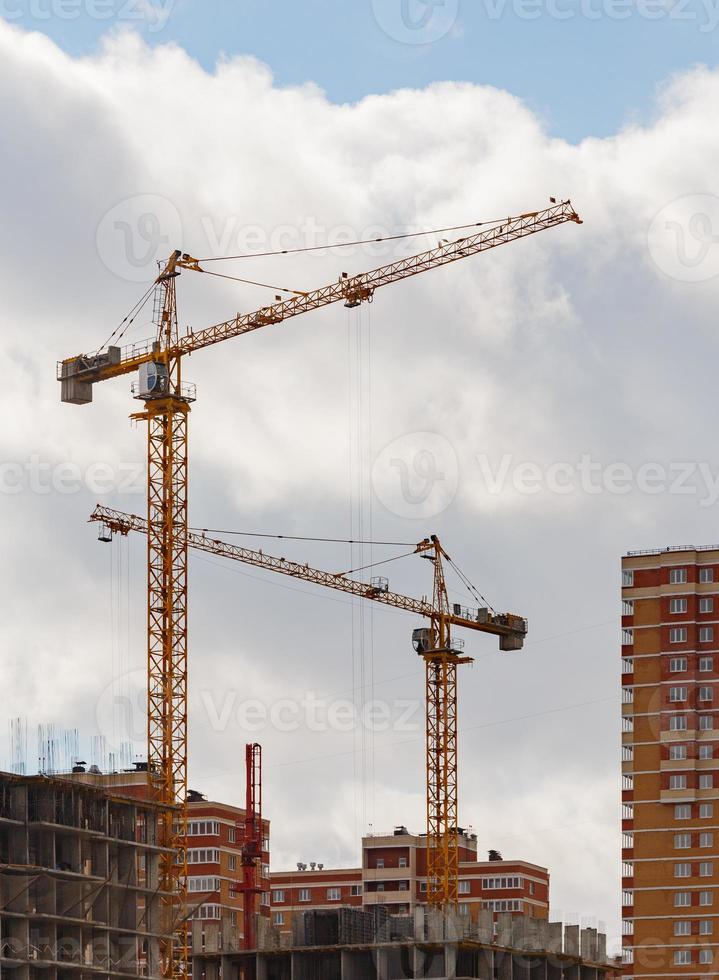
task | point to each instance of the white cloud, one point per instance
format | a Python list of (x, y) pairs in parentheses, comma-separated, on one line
[(574, 342)]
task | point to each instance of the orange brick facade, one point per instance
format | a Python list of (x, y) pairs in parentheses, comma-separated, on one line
[(670, 763), (393, 874)]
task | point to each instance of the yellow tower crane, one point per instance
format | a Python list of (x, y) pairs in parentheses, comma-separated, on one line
[(441, 652), (167, 399)]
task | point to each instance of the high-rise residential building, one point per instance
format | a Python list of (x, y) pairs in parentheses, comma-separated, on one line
[(394, 874), (670, 767)]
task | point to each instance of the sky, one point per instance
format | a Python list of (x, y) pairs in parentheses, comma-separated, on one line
[(543, 408)]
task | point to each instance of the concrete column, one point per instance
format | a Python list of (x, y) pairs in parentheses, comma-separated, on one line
[(571, 940), (503, 967), (554, 937), (504, 929)]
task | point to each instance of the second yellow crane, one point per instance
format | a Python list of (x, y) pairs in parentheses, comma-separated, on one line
[(441, 652)]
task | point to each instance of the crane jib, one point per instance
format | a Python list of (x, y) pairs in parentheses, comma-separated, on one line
[(77, 374)]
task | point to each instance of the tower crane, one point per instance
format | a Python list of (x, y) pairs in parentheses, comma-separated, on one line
[(167, 399), (440, 650), (252, 838)]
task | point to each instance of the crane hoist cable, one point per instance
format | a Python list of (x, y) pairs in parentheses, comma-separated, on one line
[(361, 241), (297, 537)]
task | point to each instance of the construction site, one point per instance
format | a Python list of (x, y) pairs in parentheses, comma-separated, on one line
[(130, 872)]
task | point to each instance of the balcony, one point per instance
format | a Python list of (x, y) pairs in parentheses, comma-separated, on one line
[(389, 898), (386, 874)]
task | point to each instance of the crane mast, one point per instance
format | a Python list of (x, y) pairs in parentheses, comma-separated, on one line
[(252, 843), (442, 654), (167, 399)]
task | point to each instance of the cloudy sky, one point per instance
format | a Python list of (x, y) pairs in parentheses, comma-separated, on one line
[(544, 407)]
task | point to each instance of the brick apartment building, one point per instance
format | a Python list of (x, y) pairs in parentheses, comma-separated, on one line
[(670, 732), (393, 873), (214, 853)]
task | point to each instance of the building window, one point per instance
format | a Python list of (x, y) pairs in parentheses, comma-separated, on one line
[(678, 634), (706, 869), (706, 694), (677, 753), (463, 908), (706, 898), (203, 884), (682, 900), (207, 912), (356, 890), (677, 694), (678, 781), (706, 723), (403, 862), (304, 895), (627, 607), (706, 634), (677, 606), (231, 863), (627, 637), (334, 894), (488, 883), (706, 956), (682, 811), (706, 840), (706, 665), (706, 927), (683, 870), (279, 918), (682, 841), (203, 828), (682, 957), (682, 928), (678, 723), (706, 574), (423, 886), (706, 811), (380, 863), (706, 780), (627, 578), (232, 835), (203, 855), (706, 751), (677, 576), (278, 896), (706, 605), (677, 665), (464, 887)]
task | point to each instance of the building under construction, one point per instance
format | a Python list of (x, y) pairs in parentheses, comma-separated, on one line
[(79, 894), (356, 944)]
